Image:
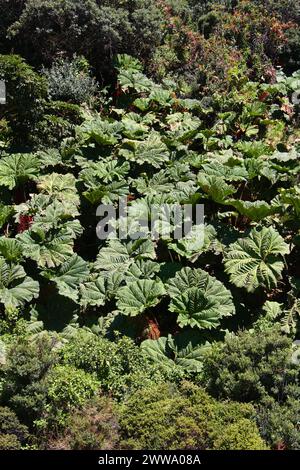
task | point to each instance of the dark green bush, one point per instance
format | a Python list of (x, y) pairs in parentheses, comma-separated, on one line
[(59, 122), (13, 434), (48, 27), (67, 388), (26, 366), (249, 367), (10, 12), (51, 130), (26, 94), (279, 423), (162, 417), (119, 366), (93, 427)]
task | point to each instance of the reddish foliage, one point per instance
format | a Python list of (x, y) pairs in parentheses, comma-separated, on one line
[(152, 331), (25, 222), (118, 91), (280, 446), (264, 96)]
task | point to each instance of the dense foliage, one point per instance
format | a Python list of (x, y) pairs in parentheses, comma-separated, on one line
[(149, 341)]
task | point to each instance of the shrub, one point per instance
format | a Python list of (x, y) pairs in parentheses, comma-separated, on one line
[(163, 417), (241, 435), (27, 364), (290, 55), (51, 130), (48, 27), (10, 12), (59, 122), (70, 81), (5, 132), (249, 367), (68, 388), (69, 111), (9, 442), (119, 366), (93, 427), (279, 423), (26, 94), (13, 434)]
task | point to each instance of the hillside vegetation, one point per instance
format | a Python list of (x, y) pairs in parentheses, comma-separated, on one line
[(150, 342)]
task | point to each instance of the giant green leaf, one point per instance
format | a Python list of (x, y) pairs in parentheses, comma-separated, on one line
[(256, 210), (93, 293), (11, 249), (215, 187), (197, 309), (5, 213), (47, 249), (102, 132), (134, 80), (186, 350), (60, 186), (291, 196), (256, 260), (199, 299), (16, 288), (18, 168), (198, 241), (152, 151), (69, 276), (118, 255), (138, 296)]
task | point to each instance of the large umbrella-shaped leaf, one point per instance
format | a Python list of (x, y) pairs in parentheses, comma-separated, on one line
[(186, 349), (118, 256), (69, 276), (99, 131), (138, 296), (107, 193), (104, 172), (133, 127), (62, 187), (5, 213), (47, 249), (16, 288), (256, 260), (11, 249), (199, 299), (229, 173), (17, 169), (93, 293), (198, 241), (135, 80), (152, 151), (142, 269), (196, 309), (256, 210), (99, 288), (57, 214), (291, 196), (215, 187), (189, 277)]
